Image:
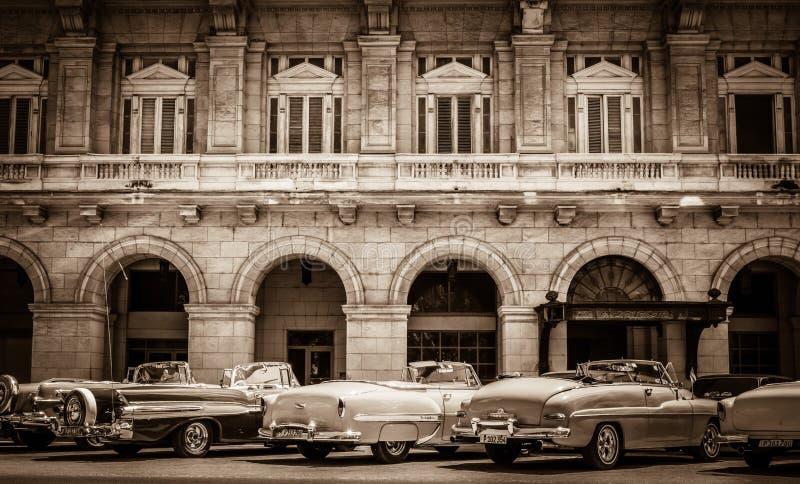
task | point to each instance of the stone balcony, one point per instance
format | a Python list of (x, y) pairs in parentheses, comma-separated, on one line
[(507, 172)]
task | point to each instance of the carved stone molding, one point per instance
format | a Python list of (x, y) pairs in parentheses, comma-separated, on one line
[(92, 213), (36, 214), (726, 214), (73, 16), (688, 15), (378, 16), (535, 16), (348, 213), (564, 214), (248, 214), (405, 214), (189, 213), (666, 214), (229, 17), (506, 214)]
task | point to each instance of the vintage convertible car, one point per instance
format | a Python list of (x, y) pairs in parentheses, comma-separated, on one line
[(190, 418), (27, 409), (390, 416), (720, 387), (616, 405), (762, 423)]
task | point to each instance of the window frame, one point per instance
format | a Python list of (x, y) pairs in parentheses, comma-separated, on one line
[(28, 84)]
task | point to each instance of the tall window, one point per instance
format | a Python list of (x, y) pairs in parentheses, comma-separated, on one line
[(23, 105)]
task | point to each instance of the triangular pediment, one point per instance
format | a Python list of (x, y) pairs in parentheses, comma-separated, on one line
[(454, 70), (755, 69), (157, 72), (605, 70), (306, 71), (13, 72)]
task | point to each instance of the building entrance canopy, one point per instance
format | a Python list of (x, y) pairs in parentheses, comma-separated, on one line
[(696, 315)]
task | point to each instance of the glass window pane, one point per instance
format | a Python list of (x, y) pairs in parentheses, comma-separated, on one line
[(487, 339), (430, 339), (414, 338), (468, 339), (430, 354), (450, 339), (468, 356)]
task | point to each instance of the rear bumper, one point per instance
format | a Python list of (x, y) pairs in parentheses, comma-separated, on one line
[(733, 439), (37, 421), (307, 433), (508, 428)]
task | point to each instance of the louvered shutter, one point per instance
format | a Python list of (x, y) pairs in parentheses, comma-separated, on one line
[(464, 124), (190, 125), (614, 107), (595, 124), (444, 128), (422, 133), (273, 124), (148, 132), (315, 125), (5, 124), (295, 125), (337, 125), (22, 123), (43, 126), (126, 126), (486, 112), (168, 125)]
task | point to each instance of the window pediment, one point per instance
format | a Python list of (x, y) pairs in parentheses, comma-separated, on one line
[(605, 77), (755, 78), (755, 69), (606, 71), (158, 80), (306, 78), (454, 70), (157, 72), (20, 81), (305, 70), (15, 73), (454, 78)]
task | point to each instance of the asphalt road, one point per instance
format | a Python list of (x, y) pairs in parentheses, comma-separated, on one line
[(64, 462)]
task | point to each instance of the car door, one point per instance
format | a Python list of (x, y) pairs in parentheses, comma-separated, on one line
[(669, 415)]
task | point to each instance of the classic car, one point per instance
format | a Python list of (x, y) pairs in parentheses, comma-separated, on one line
[(27, 409), (190, 418), (762, 423), (720, 387), (390, 416), (616, 405)]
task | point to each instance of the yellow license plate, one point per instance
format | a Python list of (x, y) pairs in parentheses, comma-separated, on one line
[(494, 439), (776, 443)]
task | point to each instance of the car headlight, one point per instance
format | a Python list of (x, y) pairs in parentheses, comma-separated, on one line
[(555, 416), (340, 408)]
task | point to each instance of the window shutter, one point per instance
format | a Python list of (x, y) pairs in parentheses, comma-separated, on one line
[(168, 125), (637, 125), (148, 133), (444, 128), (190, 125), (571, 138), (126, 126), (787, 125), (486, 112), (295, 125), (595, 124), (43, 126), (315, 125), (22, 123), (337, 124), (464, 124), (614, 105), (5, 124), (722, 123), (273, 124), (422, 133)]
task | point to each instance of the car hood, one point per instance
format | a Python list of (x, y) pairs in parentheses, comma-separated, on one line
[(522, 397), (771, 407)]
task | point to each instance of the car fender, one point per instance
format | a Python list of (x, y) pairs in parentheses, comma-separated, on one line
[(399, 432)]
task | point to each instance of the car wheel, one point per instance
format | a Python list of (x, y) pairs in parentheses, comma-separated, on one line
[(503, 454), (604, 451), (446, 450), (80, 408), (9, 389), (708, 449), (192, 439), (314, 451), (126, 450), (391, 451), (37, 440), (89, 443), (757, 460)]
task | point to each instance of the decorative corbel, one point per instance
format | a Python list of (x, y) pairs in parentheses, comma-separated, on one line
[(666, 214), (378, 16), (248, 214), (36, 214), (348, 213), (726, 214), (535, 17), (229, 17), (506, 214), (564, 214), (73, 16), (688, 16), (92, 213), (189, 213), (405, 214)]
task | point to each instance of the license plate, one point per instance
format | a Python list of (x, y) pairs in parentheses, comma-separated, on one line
[(70, 432), (775, 443), (291, 434), (494, 439)]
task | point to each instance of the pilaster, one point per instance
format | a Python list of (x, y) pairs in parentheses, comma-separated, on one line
[(688, 81), (519, 339), (103, 96), (376, 340), (226, 93), (532, 108), (405, 96), (657, 133), (75, 79), (379, 96)]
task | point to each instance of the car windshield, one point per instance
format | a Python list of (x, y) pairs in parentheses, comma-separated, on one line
[(719, 388), (162, 372), (625, 372), (257, 374), (442, 373)]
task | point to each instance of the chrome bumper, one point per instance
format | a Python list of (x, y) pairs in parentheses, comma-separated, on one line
[(509, 428), (119, 430), (311, 434), (733, 439)]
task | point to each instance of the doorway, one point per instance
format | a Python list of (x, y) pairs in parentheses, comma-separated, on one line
[(311, 355), (595, 341), (754, 124)]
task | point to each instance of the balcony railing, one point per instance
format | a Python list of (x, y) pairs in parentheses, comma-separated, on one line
[(21, 172), (138, 172)]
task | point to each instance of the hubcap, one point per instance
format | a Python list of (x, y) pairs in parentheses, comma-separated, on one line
[(2, 392), (195, 437), (395, 447), (74, 410), (710, 445), (607, 445)]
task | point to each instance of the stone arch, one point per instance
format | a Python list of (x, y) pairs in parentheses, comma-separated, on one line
[(253, 270), (457, 247), (109, 262), (641, 252), (31, 264), (781, 250)]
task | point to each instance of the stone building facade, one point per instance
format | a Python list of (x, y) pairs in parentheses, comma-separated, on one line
[(348, 185)]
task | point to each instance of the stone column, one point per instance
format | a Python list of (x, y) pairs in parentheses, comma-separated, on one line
[(558, 348), (519, 339), (226, 93), (377, 337), (201, 101), (379, 93), (713, 353), (104, 107), (657, 137), (220, 336), (75, 74), (68, 340), (405, 96), (688, 81), (532, 106), (673, 337)]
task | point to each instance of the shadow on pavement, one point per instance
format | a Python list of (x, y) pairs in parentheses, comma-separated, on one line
[(777, 469), (158, 453)]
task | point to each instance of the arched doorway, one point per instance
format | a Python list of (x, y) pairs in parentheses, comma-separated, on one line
[(301, 319), (146, 304), (16, 320), (454, 316), (766, 311), (611, 279)]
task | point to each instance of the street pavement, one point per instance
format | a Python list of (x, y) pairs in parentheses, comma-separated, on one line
[(64, 462)]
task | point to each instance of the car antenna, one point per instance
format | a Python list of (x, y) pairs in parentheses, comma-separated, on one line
[(108, 332)]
